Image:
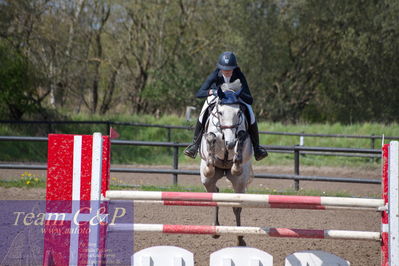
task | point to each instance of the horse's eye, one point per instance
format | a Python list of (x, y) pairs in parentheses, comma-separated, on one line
[(220, 113)]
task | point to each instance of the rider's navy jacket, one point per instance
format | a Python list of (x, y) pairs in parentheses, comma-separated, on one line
[(215, 80)]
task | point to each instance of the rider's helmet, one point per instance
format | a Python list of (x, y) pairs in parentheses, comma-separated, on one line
[(227, 61)]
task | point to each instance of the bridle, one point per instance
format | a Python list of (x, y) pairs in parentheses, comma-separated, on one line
[(220, 127)]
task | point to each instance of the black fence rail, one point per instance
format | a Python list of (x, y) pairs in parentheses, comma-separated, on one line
[(108, 124), (296, 150)]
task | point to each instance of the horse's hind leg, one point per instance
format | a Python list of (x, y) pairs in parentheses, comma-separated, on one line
[(237, 213), (240, 186), (216, 217)]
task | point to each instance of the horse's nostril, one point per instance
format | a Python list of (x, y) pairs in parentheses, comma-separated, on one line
[(230, 144)]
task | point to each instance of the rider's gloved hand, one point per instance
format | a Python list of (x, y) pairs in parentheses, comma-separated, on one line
[(212, 92), (236, 85), (225, 87)]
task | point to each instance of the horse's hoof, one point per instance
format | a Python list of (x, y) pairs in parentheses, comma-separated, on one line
[(236, 171), (209, 172), (241, 242), (215, 236)]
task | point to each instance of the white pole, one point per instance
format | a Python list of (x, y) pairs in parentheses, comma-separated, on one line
[(95, 197), (393, 203)]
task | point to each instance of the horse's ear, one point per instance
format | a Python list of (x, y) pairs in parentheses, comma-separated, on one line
[(220, 93)]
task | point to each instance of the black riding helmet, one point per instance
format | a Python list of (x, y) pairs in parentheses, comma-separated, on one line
[(227, 61)]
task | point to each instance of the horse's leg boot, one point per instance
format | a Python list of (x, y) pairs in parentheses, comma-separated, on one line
[(259, 151), (192, 149)]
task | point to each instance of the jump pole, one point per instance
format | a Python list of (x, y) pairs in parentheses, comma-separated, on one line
[(76, 171), (246, 230), (252, 205), (267, 200)]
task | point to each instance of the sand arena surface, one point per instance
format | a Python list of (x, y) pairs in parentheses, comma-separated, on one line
[(362, 253)]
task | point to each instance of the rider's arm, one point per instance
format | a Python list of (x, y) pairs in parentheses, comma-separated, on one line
[(245, 94), (207, 85)]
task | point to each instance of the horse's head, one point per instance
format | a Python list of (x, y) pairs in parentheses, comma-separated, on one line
[(230, 117)]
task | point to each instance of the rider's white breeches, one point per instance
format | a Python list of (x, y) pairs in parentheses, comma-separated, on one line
[(211, 99), (251, 112)]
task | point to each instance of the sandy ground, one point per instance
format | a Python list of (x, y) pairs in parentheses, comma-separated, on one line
[(357, 252)]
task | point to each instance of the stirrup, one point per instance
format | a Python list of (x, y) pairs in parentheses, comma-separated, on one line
[(191, 151), (260, 153)]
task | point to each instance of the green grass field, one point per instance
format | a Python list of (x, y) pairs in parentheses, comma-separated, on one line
[(36, 152), (27, 180)]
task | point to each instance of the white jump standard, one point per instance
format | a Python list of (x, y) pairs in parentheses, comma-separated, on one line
[(75, 170)]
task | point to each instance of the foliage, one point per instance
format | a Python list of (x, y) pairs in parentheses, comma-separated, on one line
[(305, 60), (17, 84)]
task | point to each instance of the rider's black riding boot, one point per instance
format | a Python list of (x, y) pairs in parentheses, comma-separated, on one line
[(192, 149), (259, 151)]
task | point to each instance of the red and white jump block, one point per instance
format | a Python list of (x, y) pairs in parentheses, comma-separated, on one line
[(390, 195), (77, 178)]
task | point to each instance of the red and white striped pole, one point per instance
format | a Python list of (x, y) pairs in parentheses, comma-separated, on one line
[(244, 230), (251, 205), (261, 199)]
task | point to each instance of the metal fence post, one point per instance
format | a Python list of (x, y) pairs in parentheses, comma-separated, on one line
[(302, 142), (50, 128), (296, 168), (108, 124), (175, 163), (372, 146), (169, 136)]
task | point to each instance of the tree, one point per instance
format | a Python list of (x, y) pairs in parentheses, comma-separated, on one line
[(18, 82)]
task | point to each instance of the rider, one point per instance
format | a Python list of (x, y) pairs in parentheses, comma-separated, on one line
[(227, 71)]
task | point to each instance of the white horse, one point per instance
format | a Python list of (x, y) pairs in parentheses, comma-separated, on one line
[(226, 150)]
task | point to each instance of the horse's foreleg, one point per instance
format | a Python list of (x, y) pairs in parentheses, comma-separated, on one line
[(236, 169), (209, 170), (237, 213)]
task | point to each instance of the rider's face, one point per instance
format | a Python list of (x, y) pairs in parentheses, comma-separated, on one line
[(227, 73)]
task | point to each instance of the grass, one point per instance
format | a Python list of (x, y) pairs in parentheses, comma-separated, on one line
[(28, 180), (228, 190), (36, 152)]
